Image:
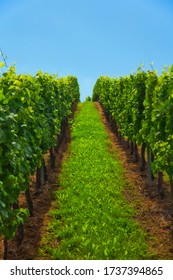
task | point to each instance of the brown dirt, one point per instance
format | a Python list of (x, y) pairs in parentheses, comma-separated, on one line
[(155, 215)]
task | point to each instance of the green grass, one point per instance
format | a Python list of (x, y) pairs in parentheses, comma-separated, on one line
[(92, 220)]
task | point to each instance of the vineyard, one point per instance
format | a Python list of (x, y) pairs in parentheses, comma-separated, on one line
[(91, 216), (140, 109), (33, 114)]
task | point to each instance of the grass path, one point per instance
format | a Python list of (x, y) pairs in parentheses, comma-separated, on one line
[(91, 219)]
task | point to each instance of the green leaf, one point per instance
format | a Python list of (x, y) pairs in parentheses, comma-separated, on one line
[(2, 97), (2, 64)]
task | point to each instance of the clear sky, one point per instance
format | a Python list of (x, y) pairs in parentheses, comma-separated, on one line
[(86, 38)]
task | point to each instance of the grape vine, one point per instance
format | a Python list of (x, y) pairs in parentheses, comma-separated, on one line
[(32, 112), (141, 108)]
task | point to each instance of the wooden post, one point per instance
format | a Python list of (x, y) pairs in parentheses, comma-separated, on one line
[(149, 167), (143, 162), (29, 201), (160, 185), (131, 147), (5, 249), (136, 153), (38, 180)]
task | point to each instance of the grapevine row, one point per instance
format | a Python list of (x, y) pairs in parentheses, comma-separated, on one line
[(140, 107), (33, 110)]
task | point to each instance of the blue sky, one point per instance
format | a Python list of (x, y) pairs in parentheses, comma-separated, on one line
[(86, 38)]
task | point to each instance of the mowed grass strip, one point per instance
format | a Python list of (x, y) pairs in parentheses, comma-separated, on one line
[(92, 220)]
